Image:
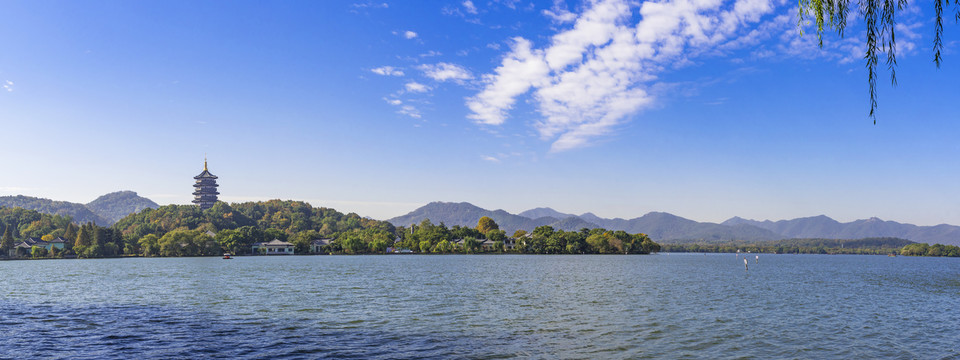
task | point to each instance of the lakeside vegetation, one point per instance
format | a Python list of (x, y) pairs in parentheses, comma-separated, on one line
[(866, 246), (185, 230)]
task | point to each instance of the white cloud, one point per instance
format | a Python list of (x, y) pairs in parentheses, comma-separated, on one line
[(594, 76), (490, 159), (414, 86), (559, 13), (387, 71), (409, 34), (446, 71), (522, 68), (8, 85), (394, 102), (469, 7), (371, 5), (410, 111)]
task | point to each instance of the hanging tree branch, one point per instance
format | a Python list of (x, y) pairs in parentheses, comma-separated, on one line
[(879, 17)]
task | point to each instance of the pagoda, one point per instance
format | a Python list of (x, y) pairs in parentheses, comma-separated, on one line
[(206, 188)]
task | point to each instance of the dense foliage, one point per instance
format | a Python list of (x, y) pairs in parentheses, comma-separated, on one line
[(429, 238), (238, 226), (87, 240), (185, 230), (930, 250)]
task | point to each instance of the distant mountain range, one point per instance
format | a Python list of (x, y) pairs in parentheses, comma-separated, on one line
[(666, 227), (103, 211)]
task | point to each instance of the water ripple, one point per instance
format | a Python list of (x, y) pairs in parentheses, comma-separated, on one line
[(484, 307)]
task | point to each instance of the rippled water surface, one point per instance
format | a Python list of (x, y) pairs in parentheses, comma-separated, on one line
[(657, 306)]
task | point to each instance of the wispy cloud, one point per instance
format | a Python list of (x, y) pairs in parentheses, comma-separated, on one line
[(409, 34), (559, 13), (410, 110), (490, 158), (387, 71), (595, 75), (8, 85), (416, 87), (446, 71), (369, 4), (395, 102), (469, 7)]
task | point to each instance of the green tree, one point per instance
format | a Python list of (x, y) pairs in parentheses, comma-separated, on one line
[(301, 241), (70, 233), (84, 241), (92, 251), (7, 242), (496, 235), (444, 247), (354, 244), (599, 243), (879, 19), (110, 249), (378, 246), (470, 245), (425, 246), (149, 245), (37, 252)]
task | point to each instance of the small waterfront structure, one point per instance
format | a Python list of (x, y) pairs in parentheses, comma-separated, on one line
[(205, 193), (31, 242), (24, 247), (487, 245), (273, 247), (317, 246)]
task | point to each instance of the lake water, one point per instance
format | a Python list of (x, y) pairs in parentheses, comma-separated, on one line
[(457, 306)]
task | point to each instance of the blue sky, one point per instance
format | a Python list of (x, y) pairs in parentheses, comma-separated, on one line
[(706, 109)]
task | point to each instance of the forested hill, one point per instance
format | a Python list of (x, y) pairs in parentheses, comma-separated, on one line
[(103, 211), (115, 206), (287, 218), (78, 212)]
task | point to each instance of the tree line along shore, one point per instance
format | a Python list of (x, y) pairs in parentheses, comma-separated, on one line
[(185, 230), (866, 246)]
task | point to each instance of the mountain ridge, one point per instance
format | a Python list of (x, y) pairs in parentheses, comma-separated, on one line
[(104, 211), (662, 226)]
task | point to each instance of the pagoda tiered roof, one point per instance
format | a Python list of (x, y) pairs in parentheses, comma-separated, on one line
[(206, 173), (206, 188)]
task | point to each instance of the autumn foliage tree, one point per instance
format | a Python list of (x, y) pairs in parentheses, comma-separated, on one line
[(485, 224)]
